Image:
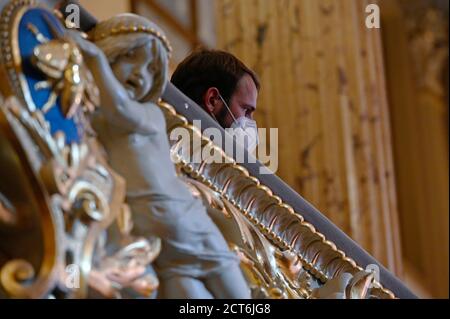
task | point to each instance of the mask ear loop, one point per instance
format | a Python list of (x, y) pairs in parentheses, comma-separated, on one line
[(226, 105)]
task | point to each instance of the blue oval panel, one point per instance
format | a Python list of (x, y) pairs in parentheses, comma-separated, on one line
[(41, 19)]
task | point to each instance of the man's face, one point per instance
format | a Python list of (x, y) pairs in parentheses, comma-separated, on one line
[(133, 70), (242, 102)]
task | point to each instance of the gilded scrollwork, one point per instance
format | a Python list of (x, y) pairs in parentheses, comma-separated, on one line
[(73, 199), (6, 211), (270, 272), (22, 276)]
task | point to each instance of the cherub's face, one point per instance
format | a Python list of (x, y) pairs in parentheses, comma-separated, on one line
[(134, 70)]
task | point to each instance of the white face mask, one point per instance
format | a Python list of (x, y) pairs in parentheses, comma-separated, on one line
[(244, 129)]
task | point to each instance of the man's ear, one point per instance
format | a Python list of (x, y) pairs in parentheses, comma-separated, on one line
[(211, 99)]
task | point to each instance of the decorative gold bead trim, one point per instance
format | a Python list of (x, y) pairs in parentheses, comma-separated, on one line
[(133, 29), (319, 256)]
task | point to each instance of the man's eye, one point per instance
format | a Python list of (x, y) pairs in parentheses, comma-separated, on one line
[(130, 54)]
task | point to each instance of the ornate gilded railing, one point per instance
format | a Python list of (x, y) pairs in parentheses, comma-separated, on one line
[(283, 216), (266, 214)]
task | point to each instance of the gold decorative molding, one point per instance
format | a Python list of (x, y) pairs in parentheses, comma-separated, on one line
[(62, 198)]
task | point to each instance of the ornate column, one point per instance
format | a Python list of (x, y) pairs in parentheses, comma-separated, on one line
[(323, 86), (415, 38)]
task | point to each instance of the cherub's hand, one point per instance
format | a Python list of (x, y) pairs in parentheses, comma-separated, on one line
[(145, 285), (89, 49)]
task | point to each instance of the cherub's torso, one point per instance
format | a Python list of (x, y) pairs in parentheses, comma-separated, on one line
[(143, 159), (161, 203)]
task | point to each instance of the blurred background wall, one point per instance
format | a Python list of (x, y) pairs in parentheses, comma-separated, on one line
[(362, 113)]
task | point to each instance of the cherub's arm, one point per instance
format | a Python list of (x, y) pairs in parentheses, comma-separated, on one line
[(116, 104)]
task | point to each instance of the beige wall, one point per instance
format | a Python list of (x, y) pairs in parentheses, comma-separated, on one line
[(323, 87), (362, 119), (104, 9)]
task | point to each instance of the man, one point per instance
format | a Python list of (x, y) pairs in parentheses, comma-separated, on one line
[(224, 87)]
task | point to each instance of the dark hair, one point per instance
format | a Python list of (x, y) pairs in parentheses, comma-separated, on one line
[(206, 68)]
